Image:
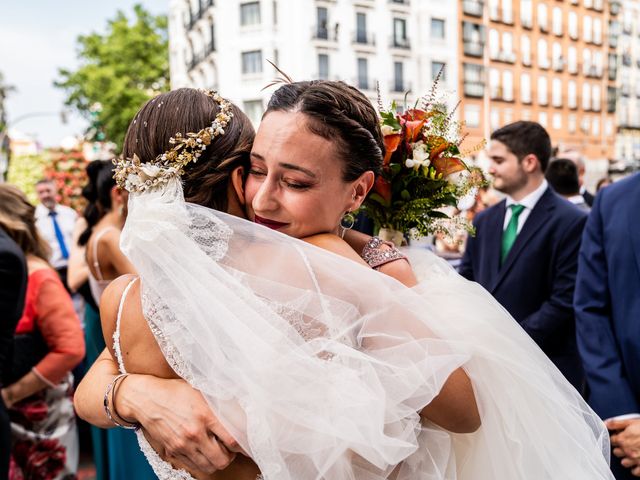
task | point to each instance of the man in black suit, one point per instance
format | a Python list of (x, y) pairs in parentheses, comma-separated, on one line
[(13, 286), (525, 251)]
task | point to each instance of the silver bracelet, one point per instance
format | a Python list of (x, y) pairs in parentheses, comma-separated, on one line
[(107, 408)]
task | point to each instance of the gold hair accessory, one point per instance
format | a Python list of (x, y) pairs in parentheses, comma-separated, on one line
[(136, 176)]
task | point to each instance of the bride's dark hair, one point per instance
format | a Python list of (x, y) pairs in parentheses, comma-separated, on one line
[(184, 110), (340, 113)]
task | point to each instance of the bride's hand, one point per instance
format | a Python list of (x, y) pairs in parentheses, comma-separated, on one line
[(178, 419)]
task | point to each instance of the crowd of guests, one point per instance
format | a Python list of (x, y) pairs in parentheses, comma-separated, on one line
[(564, 264)]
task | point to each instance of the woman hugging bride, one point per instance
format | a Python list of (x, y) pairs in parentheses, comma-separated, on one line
[(307, 360)]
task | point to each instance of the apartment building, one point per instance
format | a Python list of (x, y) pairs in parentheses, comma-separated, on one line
[(550, 61), (627, 30), (399, 45)]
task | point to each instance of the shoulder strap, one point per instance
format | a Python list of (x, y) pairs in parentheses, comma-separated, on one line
[(96, 264), (116, 333)]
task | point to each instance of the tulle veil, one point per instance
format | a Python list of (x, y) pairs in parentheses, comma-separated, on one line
[(318, 366)]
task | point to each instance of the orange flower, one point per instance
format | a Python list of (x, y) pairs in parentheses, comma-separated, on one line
[(437, 145), (447, 165), (391, 144), (383, 188)]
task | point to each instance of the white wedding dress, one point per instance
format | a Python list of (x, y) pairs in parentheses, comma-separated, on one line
[(319, 366)]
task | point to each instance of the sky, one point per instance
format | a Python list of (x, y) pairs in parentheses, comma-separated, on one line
[(37, 37)]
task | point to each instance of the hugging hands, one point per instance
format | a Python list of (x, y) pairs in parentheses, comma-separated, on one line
[(625, 440)]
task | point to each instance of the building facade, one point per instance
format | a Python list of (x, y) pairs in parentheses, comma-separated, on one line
[(628, 92), (399, 45), (547, 61)]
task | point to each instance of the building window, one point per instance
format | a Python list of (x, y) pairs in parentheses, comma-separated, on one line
[(542, 17), (597, 31), (572, 60), (437, 29), (473, 37), (596, 96), (543, 119), (557, 21), (556, 122), (507, 11), (494, 10), (572, 94), (361, 27), (587, 29), (363, 74), (542, 91), (322, 27), (275, 12), (556, 54), (571, 123), (525, 50), (472, 116), (543, 55), (494, 44), (573, 25), (398, 77), (473, 80), (586, 61), (525, 88), (400, 33), (595, 126), (323, 66), (506, 52), (507, 85), (495, 119), (494, 84), (436, 67), (253, 109), (526, 13), (586, 97), (252, 62), (250, 13), (556, 92)]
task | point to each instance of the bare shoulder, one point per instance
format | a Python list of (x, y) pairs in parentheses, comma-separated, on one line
[(335, 244), (110, 302)]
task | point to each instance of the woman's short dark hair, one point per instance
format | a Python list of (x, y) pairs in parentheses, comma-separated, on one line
[(525, 138), (186, 110), (340, 113), (97, 191)]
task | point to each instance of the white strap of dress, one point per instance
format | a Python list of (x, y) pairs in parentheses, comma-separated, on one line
[(96, 264), (116, 334)]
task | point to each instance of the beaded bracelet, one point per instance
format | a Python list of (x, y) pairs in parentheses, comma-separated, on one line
[(107, 409)]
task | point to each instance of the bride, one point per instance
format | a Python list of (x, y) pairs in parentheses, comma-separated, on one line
[(317, 366)]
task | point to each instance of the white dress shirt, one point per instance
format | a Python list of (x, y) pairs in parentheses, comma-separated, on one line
[(527, 202), (66, 218)]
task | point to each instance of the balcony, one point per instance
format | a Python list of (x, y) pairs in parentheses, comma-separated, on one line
[(366, 83), (400, 5), (399, 42), (473, 8), (399, 86), (325, 33), (474, 89), (473, 49), (364, 38), (614, 7)]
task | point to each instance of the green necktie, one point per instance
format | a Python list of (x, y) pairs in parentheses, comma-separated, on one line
[(511, 232)]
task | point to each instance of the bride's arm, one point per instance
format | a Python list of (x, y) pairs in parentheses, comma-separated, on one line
[(455, 407)]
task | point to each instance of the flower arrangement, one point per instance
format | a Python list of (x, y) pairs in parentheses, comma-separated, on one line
[(67, 169), (423, 172)]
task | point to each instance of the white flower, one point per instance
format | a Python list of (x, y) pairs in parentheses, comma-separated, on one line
[(387, 130), (410, 163), (458, 178), (149, 170), (420, 156)]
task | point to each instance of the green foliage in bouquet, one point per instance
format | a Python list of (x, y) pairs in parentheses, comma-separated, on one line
[(423, 171)]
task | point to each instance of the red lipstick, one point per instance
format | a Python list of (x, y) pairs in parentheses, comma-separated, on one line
[(274, 225)]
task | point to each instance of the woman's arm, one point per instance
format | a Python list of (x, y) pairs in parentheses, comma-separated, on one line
[(23, 388), (170, 411)]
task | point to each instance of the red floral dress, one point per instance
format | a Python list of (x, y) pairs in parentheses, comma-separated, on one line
[(43, 426)]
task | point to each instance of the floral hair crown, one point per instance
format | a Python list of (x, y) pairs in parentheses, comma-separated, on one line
[(136, 176)]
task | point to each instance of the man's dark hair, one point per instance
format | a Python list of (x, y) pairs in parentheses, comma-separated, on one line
[(562, 175), (525, 138)]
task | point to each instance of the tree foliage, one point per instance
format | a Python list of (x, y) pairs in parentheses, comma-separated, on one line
[(5, 90), (118, 72)]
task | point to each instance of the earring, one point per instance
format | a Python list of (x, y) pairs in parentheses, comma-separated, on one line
[(347, 222)]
